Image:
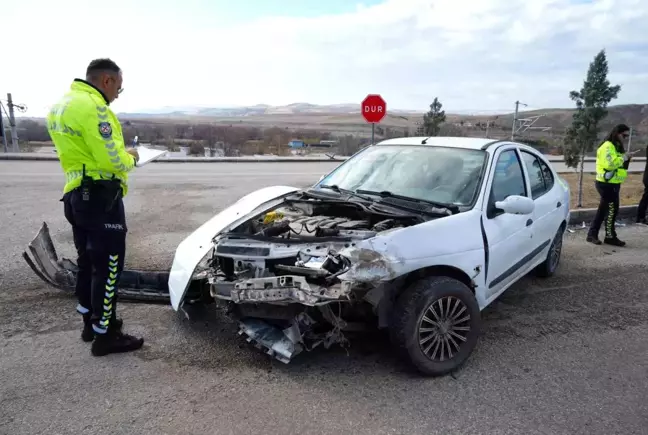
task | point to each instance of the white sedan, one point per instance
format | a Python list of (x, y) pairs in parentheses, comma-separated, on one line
[(416, 235)]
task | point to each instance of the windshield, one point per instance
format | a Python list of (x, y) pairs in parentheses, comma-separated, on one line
[(430, 173)]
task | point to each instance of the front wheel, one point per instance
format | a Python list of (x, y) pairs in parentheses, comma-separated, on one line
[(435, 323)]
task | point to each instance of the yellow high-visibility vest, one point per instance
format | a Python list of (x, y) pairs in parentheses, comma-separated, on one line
[(86, 132), (609, 164)]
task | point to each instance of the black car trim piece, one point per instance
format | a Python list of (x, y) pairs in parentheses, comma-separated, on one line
[(487, 145), (511, 270), (486, 251), (243, 250)]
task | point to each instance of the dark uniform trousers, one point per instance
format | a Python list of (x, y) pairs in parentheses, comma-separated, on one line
[(643, 205), (99, 229), (607, 210)]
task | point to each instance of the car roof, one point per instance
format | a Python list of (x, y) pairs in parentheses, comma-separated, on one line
[(474, 143)]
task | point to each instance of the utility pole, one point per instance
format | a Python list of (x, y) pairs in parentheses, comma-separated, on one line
[(12, 125), (2, 130), (517, 105)]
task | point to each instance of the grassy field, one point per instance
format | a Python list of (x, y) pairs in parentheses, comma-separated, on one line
[(631, 190)]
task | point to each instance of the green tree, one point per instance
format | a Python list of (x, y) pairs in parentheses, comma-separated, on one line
[(591, 109), (434, 118)]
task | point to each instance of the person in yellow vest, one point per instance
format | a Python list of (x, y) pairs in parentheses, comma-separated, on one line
[(89, 142), (612, 164)]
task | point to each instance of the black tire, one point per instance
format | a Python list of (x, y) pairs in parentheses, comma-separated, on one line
[(408, 327), (548, 267)]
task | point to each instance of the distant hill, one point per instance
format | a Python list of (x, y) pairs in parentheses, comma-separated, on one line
[(346, 118), (256, 110), (635, 115), (268, 124)]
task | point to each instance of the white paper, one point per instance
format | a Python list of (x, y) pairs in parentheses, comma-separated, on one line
[(147, 155)]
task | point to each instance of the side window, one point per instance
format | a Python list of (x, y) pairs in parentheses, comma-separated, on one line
[(541, 178), (508, 179), (536, 178), (548, 176)]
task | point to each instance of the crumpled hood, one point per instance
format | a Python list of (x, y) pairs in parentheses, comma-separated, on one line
[(196, 246)]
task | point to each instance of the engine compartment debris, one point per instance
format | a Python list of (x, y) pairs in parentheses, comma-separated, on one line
[(291, 257)]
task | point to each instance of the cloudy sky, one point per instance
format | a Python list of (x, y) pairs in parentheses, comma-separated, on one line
[(475, 55)]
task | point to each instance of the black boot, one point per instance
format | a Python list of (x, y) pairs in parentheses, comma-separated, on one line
[(115, 341), (593, 239), (614, 241), (88, 333)]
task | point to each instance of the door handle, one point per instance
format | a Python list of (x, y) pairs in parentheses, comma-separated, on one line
[(529, 222), (559, 204)]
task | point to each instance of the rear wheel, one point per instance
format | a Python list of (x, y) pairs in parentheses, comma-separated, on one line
[(548, 267), (435, 324)]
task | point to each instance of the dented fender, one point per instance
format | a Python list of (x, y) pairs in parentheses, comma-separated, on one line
[(368, 263), (397, 252)]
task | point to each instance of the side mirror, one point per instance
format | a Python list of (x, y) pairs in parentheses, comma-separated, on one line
[(516, 204)]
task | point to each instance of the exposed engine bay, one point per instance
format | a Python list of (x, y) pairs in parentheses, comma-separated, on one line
[(279, 273)]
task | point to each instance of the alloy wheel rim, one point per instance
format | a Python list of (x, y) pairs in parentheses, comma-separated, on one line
[(555, 252), (443, 328)]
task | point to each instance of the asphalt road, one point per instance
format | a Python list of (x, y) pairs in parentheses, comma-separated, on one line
[(567, 355)]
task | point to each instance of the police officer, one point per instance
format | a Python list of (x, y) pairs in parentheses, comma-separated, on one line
[(612, 164), (643, 203), (89, 142)]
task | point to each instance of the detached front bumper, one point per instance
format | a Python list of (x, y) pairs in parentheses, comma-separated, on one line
[(134, 285)]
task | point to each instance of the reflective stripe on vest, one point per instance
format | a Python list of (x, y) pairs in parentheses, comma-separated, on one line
[(102, 175)]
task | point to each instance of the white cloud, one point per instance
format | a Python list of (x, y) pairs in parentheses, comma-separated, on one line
[(480, 54)]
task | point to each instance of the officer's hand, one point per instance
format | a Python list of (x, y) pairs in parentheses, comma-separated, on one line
[(133, 152)]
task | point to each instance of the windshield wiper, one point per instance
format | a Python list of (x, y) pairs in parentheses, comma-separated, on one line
[(387, 194), (334, 187), (338, 189)]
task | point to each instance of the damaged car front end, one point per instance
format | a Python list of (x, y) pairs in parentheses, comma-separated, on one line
[(296, 277)]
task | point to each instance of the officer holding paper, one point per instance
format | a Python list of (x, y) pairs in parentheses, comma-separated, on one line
[(89, 142), (612, 162)]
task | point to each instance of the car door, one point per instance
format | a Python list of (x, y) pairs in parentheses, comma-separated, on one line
[(547, 203), (508, 236)]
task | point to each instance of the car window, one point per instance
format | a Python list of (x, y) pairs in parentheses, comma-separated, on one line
[(509, 178), (547, 175), (534, 170), (540, 176), (427, 172)]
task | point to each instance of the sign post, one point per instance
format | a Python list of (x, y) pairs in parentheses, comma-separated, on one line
[(374, 109)]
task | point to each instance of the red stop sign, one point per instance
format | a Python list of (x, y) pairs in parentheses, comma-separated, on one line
[(373, 108)]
